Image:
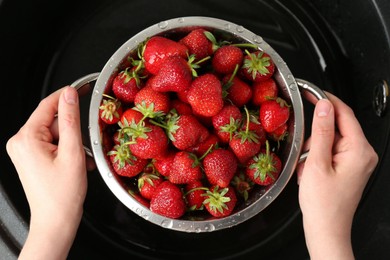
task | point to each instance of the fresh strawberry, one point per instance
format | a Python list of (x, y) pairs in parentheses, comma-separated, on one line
[(236, 90), (158, 48), (164, 163), (226, 122), (148, 141), (226, 58), (185, 131), (194, 195), (256, 127), (185, 168), (149, 102), (220, 202), (273, 114), (110, 110), (242, 184), (220, 165), (264, 168), (124, 162), (201, 148), (263, 91), (257, 66), (280, 133), (181, 107), (182, 96), (117, 138), (138, 197), (148, 183), (245, 143), (200, 43), (205, 95), (168, 201), (130, 115), (126, 85), (174, 75)]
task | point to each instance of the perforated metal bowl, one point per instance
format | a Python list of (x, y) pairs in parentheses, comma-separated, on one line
[(259, 198)]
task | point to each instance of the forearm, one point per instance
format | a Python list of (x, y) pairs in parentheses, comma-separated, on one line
[(328, 243), (52, 240)]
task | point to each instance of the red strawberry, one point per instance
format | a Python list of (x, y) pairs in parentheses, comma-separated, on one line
[(242, 184), (245, 143), (158, 48), (220, 202), (126, 85), (264, 168), (183, 96), (181, 107), (273, 114), (226, 58), (185, 168), (164, 163), (149, 102), (199, 42), (174, 75), (138, 197), (236, 90), (201, 148), (220, 165), (226, 122), (257, 66), (110, 110), (124, 162), (194, 195), (148, 141), (130, 115), (256, 127), (185, 131), (168, 201), (263, 91), (148, 183), (279, 133), (205, 95)]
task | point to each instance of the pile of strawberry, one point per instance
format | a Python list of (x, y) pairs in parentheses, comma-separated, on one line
[(194, 122)]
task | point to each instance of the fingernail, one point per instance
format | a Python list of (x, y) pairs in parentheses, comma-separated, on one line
[(323, 108), (71, 96)]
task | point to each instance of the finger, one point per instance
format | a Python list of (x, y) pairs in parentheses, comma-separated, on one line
[(69, 129), (45, 112), (347, 123), (322, 135)]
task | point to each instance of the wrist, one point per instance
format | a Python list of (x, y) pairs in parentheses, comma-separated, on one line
[(328, 241), (50, 238)]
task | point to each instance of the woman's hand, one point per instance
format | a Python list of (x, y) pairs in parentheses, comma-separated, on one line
[(48, 155), (332, 179)]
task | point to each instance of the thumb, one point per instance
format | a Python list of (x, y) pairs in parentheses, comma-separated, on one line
[(69, 129), (322, 135)]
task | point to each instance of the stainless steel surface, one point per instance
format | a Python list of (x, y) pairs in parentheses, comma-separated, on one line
[(79, 84), (257, 201)]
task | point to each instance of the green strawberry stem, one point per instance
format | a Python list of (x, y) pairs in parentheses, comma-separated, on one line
[(247, 120), (248, 135), (206, 153), (108, 96), (229, 83), (246, 45), (196, 65), (195, 189)]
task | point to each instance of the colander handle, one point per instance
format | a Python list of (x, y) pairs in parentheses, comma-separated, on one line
[(318, 93), (80, 85)]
